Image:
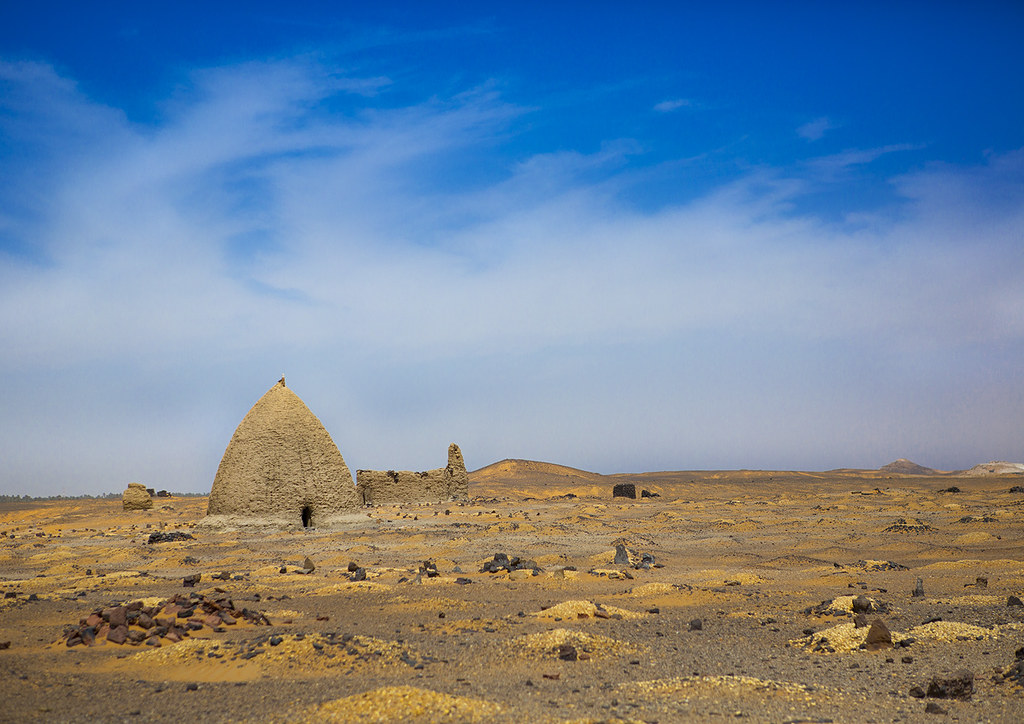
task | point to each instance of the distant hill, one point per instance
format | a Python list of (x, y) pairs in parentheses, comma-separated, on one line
[(906, 467), (530, 471), (996, 467)]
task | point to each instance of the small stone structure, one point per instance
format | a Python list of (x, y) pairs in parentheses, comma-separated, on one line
[(391, 487), (281, 467), (624, 490), (136, 497)]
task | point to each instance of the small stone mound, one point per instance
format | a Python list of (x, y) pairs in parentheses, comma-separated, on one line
[(403, 703), (160, 623), (171, 537), (869, 565), (573, 610), (841, 639), (556, 644), (842, 605), (908, 525), (136, 497)]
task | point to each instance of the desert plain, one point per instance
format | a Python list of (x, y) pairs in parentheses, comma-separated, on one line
[(731, 599)]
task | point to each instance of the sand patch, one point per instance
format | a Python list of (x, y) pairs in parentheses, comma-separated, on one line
[(974, 538), (652, 589), (575, 610), (686, 686), (840, 639), (950, 631), (546, 644), (284, 655), (402, 703)]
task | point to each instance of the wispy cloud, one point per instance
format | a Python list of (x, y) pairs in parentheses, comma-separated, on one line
[(280, 220), (815, 130), (674, 104)]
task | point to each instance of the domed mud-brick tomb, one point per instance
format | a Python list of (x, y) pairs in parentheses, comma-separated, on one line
[(282, 467)]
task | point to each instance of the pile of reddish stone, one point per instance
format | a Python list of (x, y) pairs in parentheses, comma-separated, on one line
[(167, 622)]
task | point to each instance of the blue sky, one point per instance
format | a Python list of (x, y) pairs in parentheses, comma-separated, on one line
[(780, 236)]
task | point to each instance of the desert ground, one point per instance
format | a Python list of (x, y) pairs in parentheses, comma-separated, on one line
[(734, 602)]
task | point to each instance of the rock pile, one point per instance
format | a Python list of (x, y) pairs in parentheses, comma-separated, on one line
[(136, 497), (169, 621), (624, 490), (171, 537), (501, 562)]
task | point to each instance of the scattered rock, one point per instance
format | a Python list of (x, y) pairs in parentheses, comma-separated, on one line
[(359, 574), (501, 562), (695, 625), (859, 621), (308, 566), (918, 589), (878, 636), (1017, 489), (191, 580), (649, 494), (174, 535), (932, 708), (951, 489), (862, 604), (1014, 601), (908, 525), (621, 555), (958, 685), (624, 490), (917, 692), (567, 652)]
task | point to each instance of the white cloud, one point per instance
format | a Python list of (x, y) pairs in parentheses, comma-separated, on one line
[(815, 130), (535, 315), (673, 104)]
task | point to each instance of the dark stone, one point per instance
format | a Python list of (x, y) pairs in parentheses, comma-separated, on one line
[(932, 708), (862, 604), (621, 555), (162, 494), (918, 589), (958, 685), (174, 535), (907, 659), (151, 492), (981, 582), (950, 489), (567, 652), (878, 636), (462, 581), (860, 621), (275, 640), (808, 631), (191, 580), (696, 625), (917, 692), (192, 687), (359, 574), (118, 616), (308, 564), (1014, 601), (353, 566), (1017, 489), (624, 490), (649, 494)]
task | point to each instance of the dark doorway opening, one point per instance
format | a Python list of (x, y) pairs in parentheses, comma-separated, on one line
[(307, 517)]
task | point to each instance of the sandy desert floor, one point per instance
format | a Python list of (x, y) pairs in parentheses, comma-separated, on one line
[(768, 562)]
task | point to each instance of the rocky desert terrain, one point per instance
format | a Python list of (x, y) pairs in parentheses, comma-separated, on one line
[(718, 596)]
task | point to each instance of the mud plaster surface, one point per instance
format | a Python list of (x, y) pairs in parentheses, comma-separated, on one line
[(746, 553)]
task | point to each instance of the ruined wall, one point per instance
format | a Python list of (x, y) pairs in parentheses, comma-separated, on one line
[(393, 487), (136, 497)]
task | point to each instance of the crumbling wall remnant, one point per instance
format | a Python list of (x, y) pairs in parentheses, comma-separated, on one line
[(393, 487)]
